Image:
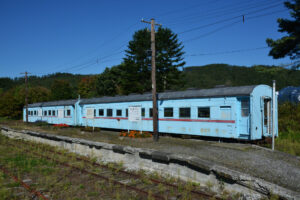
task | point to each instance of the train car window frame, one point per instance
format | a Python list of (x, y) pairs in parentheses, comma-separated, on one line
[(226, 112), (101, 112), (168, 112), (204, 112), (119, 112), (150, 112), (143, 112), (245, 107), (68, 113), (185, 112), (109, 112)]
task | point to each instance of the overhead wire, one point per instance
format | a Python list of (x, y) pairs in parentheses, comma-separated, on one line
[(214, 15), (227, 19), (229, 25), (97, 57), (184, 9), (95, 60), (228, 52)]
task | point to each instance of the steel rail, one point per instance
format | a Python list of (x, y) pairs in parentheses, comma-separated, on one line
[(27, 187), (97, 175), (199, 193)]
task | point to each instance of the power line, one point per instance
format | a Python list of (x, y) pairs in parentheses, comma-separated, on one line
[(225, 20), (213, 31), (183, 9), (229, 52), (96, 57), (229, 25), (222, 13)]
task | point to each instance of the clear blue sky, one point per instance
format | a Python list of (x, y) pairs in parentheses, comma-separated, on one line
[(85, 36)]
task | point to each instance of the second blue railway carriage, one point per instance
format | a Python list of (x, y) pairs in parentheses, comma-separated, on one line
[(242, 112)]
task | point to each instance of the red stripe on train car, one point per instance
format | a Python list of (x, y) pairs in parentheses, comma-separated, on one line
[(166, 119)]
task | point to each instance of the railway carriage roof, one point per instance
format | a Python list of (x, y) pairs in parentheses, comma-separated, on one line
[(188, 94), (53, 103)]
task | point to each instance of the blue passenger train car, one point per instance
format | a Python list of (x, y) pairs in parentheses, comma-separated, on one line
[(243, 112)]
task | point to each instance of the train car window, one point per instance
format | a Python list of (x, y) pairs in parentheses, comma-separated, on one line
[(126, 112), (245, 107), (53, 112), (168, 112), (119, 112), (109, 112), (150, 112), (225, 112), (184, 112), (68, 112), (29, 113), (45, 112), (35, 112), (204, 112), (94, 112), (143, 112), (49, 112), (101, 112)]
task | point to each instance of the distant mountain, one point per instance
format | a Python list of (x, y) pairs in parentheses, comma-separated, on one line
[(44, 81), (209, 76)]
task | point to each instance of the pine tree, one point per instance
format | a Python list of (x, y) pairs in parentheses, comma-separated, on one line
[(288, 45), (136, 71)]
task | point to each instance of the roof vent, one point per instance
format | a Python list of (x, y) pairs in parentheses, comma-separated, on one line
[(192, 89), (220, 86)]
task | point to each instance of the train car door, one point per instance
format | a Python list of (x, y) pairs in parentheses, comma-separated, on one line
[(266, 116), (244, 119), (60, 114)]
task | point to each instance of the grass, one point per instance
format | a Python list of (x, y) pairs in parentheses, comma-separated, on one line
[(289, 142), (21, 158)]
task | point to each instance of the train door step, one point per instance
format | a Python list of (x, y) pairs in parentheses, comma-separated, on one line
[(244, 136)]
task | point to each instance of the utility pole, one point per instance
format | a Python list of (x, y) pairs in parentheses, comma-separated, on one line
[(273, 113), (26, 94), (153, 77)]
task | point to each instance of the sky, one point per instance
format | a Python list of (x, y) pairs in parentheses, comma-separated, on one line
[(86, 36)]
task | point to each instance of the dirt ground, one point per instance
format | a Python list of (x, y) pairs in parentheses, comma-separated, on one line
[(277, 167)]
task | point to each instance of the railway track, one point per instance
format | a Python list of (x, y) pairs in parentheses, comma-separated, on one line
[(155, 181), (23, 184), (128, 180)]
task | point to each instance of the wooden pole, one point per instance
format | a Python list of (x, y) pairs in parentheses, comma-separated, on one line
[(273, 114), (26, 94), (153, 78)]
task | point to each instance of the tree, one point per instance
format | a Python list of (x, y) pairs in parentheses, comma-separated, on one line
[(87, 87), (12, 101), (136, 71), (60, 90), (38, 94), (288, 45), (108, 83)]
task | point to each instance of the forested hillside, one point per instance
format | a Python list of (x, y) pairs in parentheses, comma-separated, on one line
[(209, 76), (44, 81)]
